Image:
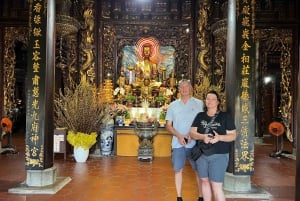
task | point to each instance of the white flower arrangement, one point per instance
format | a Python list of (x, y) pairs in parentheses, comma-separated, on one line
[(119, 90), (169, 92)]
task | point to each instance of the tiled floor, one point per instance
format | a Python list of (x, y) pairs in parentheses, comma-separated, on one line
[(126, 178)]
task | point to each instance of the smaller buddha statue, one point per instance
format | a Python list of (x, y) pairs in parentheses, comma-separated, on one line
[(146, 89), (127, 87), (164, 86), (172, 79), (119, 92), (121, 80)]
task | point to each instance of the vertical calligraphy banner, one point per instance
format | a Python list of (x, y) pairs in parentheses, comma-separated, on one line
[(40, 75), (245, 65)]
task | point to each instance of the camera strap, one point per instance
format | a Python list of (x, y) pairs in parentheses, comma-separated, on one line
[(211, 122)]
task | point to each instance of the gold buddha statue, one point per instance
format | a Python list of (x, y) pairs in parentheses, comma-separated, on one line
[(146, 68)]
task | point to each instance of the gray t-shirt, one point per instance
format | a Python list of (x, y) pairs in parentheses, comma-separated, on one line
[(182, 115)]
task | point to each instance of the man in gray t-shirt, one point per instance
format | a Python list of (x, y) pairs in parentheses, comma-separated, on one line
[(179, 117)]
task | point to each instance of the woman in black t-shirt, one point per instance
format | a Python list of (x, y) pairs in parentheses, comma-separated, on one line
[(218, 133)]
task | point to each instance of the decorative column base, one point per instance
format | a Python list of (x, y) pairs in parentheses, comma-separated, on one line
[(41, 177), (239, 186), (237, 183), (41, 182)]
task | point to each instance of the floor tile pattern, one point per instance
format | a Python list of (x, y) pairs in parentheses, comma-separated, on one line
[(127, 179)]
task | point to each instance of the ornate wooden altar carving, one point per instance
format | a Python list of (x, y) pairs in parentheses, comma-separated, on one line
[(161, 20)]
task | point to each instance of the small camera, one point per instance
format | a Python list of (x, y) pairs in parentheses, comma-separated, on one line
[(211, 136), (186, 140)]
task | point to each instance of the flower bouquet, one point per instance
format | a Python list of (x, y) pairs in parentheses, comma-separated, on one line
[(119, 109), (120, 112), (80, 139), (77, 108), (162, 114)]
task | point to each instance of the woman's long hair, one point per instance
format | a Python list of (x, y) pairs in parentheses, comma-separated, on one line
[(218, 98)]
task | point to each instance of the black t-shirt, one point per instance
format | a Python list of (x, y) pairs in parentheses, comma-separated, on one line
[(222, 122)]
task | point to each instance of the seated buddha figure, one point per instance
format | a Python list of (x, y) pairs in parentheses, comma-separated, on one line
[(146, 68), (146, 89)]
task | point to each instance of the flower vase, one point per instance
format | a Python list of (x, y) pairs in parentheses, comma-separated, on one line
[(107, 136), (120, 120), (81, 154)]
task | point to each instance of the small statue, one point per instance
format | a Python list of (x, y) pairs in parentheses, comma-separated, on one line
[(146, 89)]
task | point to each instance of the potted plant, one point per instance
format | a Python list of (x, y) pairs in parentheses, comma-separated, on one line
[(78, 109), (160, 100), (130, 99), (162, 114)]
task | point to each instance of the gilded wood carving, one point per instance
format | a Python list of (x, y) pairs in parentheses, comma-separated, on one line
[(275, 40), (11, 35)]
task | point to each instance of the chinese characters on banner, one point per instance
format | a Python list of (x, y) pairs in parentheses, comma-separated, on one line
[(34, 150), (244, 148)]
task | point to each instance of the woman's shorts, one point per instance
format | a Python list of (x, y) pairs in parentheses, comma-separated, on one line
[(213, 167)]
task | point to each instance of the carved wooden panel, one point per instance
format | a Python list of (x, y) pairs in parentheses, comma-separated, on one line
[(275, 50), (146, 10), (124, 22)]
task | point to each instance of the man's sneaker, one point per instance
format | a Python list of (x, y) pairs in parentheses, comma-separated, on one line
[(200, 199), (179, 199)]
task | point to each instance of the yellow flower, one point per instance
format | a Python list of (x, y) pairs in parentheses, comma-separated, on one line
[(79, 139)]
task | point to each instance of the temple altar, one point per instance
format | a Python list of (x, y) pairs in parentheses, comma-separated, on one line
[(145, 75), (145, 85), (127, 142)]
